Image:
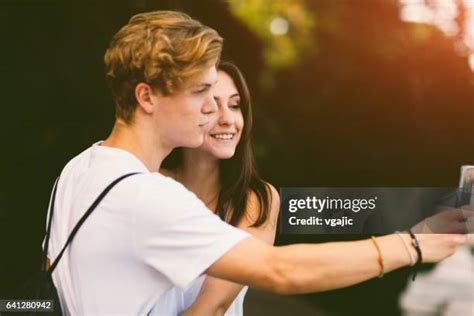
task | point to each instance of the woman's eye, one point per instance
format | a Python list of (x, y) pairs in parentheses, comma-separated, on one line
[(234, 106)]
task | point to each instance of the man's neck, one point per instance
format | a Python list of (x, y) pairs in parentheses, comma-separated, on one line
[(142, 142)]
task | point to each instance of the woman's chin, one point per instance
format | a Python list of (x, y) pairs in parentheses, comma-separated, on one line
[(224, 154)]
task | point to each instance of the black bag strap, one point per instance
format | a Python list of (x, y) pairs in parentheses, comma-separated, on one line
[(81, 221), (48, 230)]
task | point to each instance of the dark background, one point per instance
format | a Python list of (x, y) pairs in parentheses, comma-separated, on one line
[(374, 102)]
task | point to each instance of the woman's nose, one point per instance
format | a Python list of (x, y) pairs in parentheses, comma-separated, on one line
[(226, 117)]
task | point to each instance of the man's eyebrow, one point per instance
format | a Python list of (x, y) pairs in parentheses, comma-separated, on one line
[(205, 84)]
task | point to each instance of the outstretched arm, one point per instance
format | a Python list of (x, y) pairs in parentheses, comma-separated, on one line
[(216, 295), (307, 268)]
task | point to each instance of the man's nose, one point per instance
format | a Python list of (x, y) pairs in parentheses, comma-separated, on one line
[(210, 106)]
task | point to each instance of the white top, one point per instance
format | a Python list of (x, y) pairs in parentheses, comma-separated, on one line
[(147, 235), (174, 301)]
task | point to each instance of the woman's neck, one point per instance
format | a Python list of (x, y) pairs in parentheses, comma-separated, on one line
[(199, 173)]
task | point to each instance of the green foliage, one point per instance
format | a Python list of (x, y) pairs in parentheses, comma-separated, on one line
[(281, 50)]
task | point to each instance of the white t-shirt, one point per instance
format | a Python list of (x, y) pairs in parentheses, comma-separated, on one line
[(147, 235), (174, 301)]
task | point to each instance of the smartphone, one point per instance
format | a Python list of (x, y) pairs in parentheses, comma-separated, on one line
[(465, 196)]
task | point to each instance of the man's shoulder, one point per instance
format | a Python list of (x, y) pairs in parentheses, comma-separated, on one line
[(98, 162), (91, 171), (76, 165), (161, 186), (158, 195)]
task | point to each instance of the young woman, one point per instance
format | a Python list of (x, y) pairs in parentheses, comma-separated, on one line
[(222, 173)]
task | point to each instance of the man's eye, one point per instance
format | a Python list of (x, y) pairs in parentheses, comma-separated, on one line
[(201, 90)]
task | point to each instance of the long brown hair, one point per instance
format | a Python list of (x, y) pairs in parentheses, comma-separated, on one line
[(238, 175)]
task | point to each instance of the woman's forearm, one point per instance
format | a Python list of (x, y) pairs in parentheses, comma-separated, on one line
[(215, 297)]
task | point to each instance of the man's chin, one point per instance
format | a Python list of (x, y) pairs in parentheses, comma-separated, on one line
[(196, 143)]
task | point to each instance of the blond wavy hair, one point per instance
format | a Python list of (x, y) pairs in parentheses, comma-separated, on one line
[(163, 49)]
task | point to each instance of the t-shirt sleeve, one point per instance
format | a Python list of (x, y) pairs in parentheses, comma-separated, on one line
[(176, 234)]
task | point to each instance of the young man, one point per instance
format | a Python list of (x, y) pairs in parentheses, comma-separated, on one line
[(150, 233)]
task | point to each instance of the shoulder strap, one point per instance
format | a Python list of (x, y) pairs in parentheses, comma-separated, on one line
[(48, 229), (83, 218)]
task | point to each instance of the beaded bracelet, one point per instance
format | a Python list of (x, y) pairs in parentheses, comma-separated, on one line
[(381, 259)]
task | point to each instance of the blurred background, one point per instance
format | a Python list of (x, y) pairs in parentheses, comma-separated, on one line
[(345, 93)]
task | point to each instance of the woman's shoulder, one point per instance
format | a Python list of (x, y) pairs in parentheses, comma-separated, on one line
[(254, 212), (254, 204), (272, 193), (274, 202)]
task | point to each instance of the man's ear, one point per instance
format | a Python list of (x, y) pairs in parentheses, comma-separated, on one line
[(145, 96)]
